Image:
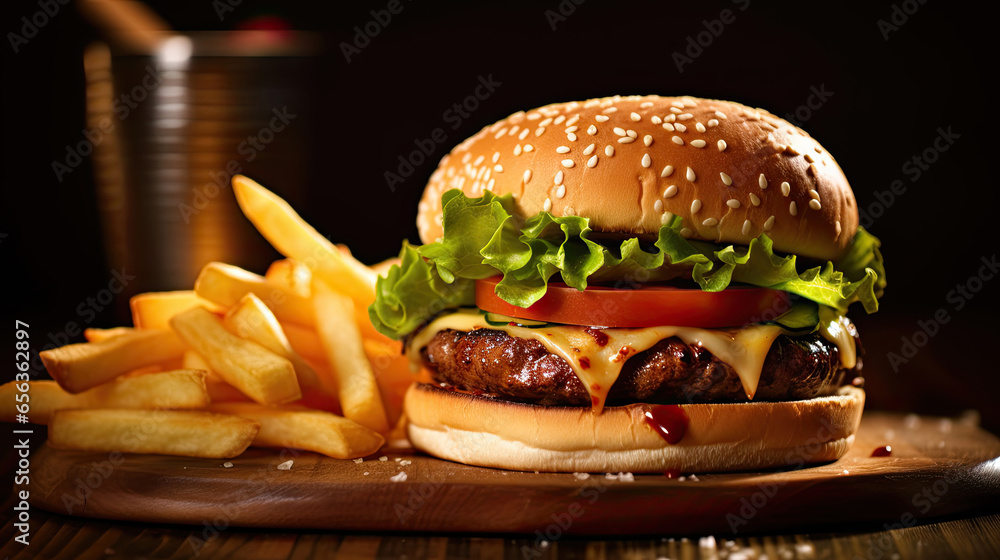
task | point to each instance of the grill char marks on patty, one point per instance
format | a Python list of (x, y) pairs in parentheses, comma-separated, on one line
[(491, 362)]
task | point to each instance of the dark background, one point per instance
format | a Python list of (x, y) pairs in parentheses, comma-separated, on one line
[(886, 100)]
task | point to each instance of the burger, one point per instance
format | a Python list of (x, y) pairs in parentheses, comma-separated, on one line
[(644, 284)]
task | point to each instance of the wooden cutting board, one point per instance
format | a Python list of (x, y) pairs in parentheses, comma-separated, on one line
[(938, 467)]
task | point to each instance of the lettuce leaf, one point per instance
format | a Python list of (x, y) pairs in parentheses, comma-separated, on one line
[(483, 238)]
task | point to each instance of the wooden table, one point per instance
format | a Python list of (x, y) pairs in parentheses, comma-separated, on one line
[(853, 515)]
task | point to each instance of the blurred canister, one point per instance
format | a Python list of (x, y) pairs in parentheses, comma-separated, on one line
[(176, 124)]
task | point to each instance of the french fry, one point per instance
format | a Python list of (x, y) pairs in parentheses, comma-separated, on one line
[(256, 372), (296, 239), (392, 373), (224, 285), (218, 390), (78, 367), (305, 341), (170, 389), (291, 274), (249, 318), (153, 310), (166, 432), (97, 335), (312, 430), (341, 339)]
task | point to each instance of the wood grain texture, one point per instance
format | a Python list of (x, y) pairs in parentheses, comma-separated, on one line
[(938, 468)]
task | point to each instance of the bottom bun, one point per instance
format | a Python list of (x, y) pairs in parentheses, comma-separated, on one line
[(719, 437)]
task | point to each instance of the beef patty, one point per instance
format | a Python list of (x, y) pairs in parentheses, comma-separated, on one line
[(491, 362)]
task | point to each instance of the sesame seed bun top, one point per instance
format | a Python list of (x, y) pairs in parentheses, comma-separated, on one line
[(630, 164)]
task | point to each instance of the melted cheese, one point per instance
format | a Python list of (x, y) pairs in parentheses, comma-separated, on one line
[(599, 365), (839, 330)]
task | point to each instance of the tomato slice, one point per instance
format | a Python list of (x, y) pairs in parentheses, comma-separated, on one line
[(649, 305)]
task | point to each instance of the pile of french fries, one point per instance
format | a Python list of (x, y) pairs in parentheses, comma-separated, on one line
[(287, 360)]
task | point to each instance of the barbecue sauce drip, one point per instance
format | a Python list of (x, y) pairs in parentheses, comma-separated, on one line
[(884, 451), (669, 421)]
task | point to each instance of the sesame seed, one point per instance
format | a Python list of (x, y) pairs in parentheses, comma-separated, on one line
[(489, 186), (647, 139), (666, 217), (619, 131), (814, 193), (690, 175), (686, 232), (572, 129), (721, 115), (769, 224), (667, 171), (589, 149), (559, 119), (754, 199), (699, 127), (610, 110), (592, 130), (669, 118), (695, 205), (815, 205), (722, 145), (479, 160), (786, 188), (573, 120), (793, 209), (500, 133), (658, 205), (527, 175), (679, 104), (524, 134), (726, 179), (545, 122), (675, 110), (677, 140), (601, 118), (668, 126), (547, 205), (528, 147), (560, 191), (839, 228), (746, 227), (514, 130), (539, 131), (712, 122), (568, 163), (558, 179), (517, 150), (632, 134), (562, 150), (762, 181), (609, 150), (670, 192), (592, 162), (699, 143), (571, 137), (710, 222), (646, 161), (733, 203), (626, 140), (656, 120), (570, 211), (645, 104), (685, 117), (498, 168), (680, 127), (635, 117)]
